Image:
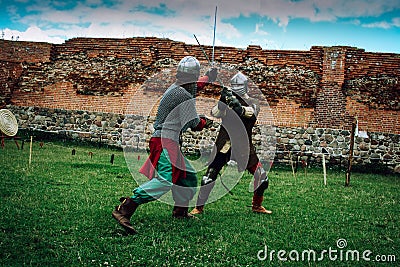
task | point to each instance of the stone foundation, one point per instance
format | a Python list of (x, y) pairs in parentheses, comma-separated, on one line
[(295, 143)]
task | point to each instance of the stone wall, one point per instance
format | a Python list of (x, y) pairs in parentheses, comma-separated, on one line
[(132, 131)]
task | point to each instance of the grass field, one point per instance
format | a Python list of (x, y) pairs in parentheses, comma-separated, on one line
[(57, 212)]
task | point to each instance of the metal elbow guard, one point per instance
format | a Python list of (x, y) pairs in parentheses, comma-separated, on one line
[(217, 113), (248, 112)]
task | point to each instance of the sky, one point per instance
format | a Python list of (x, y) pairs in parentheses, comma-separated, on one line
[(272, 24)]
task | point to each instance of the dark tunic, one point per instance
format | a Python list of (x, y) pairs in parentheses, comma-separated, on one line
[(238, 131)]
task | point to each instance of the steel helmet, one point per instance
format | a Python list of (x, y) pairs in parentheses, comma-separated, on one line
[(239, 83), (189, 65)]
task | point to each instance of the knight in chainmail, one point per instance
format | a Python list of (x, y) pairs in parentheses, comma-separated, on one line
[(237, 110), (166, 167)]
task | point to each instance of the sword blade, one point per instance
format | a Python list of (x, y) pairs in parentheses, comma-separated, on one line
[(215, 26)]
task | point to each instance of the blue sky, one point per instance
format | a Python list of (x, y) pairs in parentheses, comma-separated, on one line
[(272, 24)]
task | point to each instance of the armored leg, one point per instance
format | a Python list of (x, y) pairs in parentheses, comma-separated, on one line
[(261, 183), (207, 184)]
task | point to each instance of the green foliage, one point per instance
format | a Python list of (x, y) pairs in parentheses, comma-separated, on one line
[(57, 212)]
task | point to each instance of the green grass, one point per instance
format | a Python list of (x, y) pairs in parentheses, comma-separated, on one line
[(57, 212)]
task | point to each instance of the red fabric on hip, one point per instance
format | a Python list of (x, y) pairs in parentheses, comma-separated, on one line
[(156, 145)]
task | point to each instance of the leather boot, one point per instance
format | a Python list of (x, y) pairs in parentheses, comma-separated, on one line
[(182, 213), (123, 212), (256, 205), (197, 210)]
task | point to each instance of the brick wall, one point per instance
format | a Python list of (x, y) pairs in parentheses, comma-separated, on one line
[(10, 71), (373, 79), (323, 87), (12, 54), (16, 51)]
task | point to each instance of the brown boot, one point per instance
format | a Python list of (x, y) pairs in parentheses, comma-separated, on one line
[(182, 213), (197, 210), (256, 205), (123, 213)]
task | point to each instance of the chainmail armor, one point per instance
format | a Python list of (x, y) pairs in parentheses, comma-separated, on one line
[(176, 112)]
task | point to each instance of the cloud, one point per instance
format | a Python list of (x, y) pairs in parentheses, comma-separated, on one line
[(258, 29), (381, 24), (55, 21), (393, 23), (33, 33), (396, 22), (127, 18), (282, 11)]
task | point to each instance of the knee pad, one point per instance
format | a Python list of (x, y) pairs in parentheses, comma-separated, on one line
[(261, 181), (260, 174)]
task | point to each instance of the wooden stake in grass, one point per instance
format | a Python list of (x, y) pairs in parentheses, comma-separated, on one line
[(112, 159), (291, 163), (324, 167), (304, 166), (30, 152), (353, 129)]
